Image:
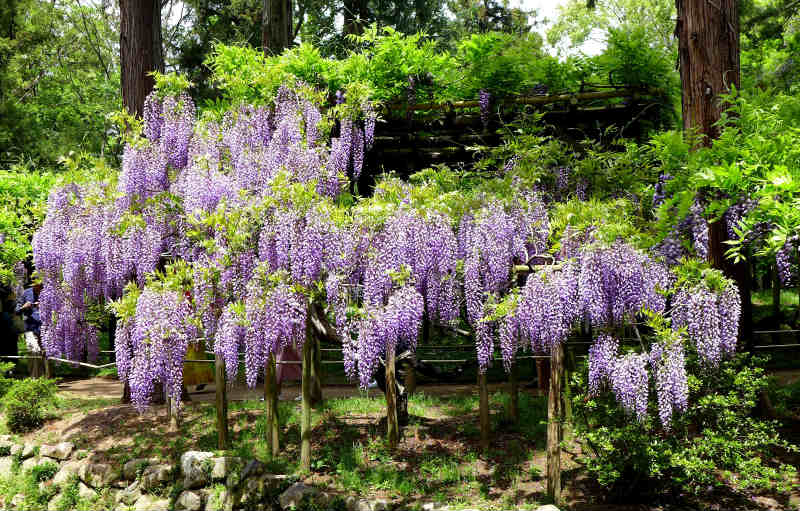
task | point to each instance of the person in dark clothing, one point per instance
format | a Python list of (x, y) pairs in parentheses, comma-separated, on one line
[(28, 306)]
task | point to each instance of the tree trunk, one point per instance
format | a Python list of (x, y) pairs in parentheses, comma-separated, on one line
[(554, 425), (140, 50), (222, 403), (276, 26), (356, 14), (392, 427), (708, 52)]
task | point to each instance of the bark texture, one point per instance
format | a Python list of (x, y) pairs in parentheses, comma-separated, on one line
[(276, 26), (708, 53), (140, 50)]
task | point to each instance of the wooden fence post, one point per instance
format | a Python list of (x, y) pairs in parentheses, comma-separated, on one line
[(513, 389), (554, 425), (316, 374), (484, 410), (271, 406), (222, 402), (305, 424), (392, 428)]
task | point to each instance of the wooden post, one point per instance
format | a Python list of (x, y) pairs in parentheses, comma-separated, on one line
[(411, 376), (271, 406), (222, 402), (316, 374), (483, 391), (392, 427), (513, 390), (554, 425), (305, 424)]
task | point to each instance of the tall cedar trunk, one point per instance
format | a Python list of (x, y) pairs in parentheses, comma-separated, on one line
[(276, 26), (708, 51), (356, 14), (140, 50)]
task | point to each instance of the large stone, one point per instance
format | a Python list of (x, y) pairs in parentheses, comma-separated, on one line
[(196, 468), (379, 505), (294, 494), (189, 501), (548, 507), (129, 495), (253, 468), (135, 467), (28, 450), (224, 466), (59, 451), (6, 462), (222, 501), (85, 492), (98, 475), (55, 503), (151, 503), (16, 450), (31, 462), (17, 500), (67, 471), (155, 476), (6, 446)]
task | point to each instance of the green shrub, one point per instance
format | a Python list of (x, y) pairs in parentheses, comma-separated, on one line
[(44, 471), (25, 403), (716, 442)]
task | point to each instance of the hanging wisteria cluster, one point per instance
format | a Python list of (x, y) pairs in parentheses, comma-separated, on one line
[(711, 320)]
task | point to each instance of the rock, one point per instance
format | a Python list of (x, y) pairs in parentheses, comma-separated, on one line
[(189, 501), (85, 492), (196, 468), (355, 504), (67, 471), (16, 450), (6, 446), (379, 505), (133, 468), (28, 450), (31, 462), (294, 494), (253, 468), (54, 504), (98, 475), (6, 462), (6, 438), (222, 501), (59, 451), (223, 466), (767, 502), (129, 495), (548, 507), (155, 476), (151, 503)]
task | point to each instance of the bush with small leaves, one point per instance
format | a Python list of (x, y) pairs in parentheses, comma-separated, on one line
[(25, 403)]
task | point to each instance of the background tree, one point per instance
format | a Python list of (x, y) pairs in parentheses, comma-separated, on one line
[(140, 50), (708, 50)]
